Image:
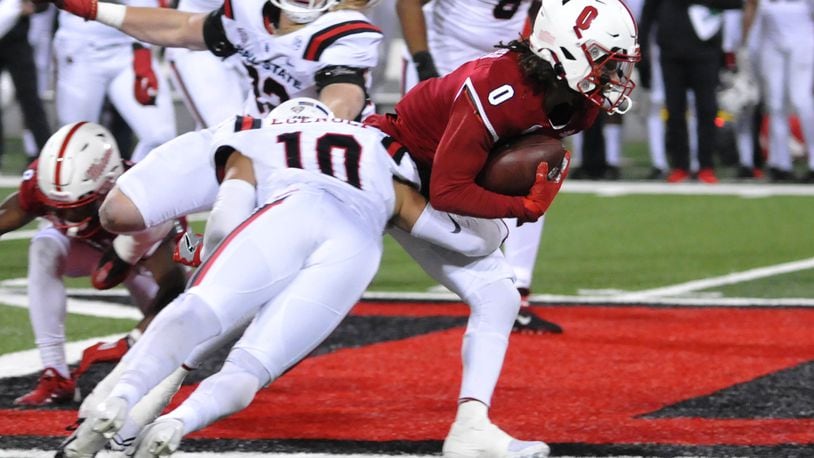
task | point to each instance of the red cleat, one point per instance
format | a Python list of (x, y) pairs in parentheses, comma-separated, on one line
[(707, 176), (678, 176), (102, 352), (110, 271), (52, 388)]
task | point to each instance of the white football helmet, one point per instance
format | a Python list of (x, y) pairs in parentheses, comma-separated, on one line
[(298, 108), (75, 170), (303, 11), (593, 45)]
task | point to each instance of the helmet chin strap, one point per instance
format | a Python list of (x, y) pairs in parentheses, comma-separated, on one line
[(623, 107)]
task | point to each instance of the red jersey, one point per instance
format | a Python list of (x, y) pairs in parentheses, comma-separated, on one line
[(450, 125), (35, 202)]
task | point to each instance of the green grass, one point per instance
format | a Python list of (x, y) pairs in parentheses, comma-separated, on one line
[(16, 334), (631, 243), (627, 242)]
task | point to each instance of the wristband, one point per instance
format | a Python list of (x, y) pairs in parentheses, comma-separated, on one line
[(111, 14)]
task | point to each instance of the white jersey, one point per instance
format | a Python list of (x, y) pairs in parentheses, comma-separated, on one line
[(347, 159), (461, 30), (199, 6), (95, 33), (284, 66), (786, 23)]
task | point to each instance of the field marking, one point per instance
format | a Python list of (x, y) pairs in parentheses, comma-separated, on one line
[(729, 279), (618, 188), (12, 292), (748, 190), (19, 453), (28, 361)]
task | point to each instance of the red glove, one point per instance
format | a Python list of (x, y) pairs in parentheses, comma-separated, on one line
[(110, 271), (82, 8), (146, 83), (545, 188), (188, 249)]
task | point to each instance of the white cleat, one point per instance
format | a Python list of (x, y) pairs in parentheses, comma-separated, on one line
[(108, 417), (158, 439), (82, 443), (485, 440)]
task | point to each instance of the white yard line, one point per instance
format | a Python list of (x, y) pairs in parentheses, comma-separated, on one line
[(729, 279), (750, 190), (28, 361), (615, 188), (108, 454)]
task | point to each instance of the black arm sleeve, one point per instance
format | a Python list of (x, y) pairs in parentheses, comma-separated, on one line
[(215, 36), (340, 74)]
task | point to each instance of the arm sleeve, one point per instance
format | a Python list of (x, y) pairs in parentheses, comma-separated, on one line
[(460, 156), (466, 235), (235, 202)]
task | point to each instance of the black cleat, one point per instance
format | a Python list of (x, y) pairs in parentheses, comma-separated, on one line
[(527, 322)]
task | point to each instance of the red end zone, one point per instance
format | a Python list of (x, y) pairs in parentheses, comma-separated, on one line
[(590, 385)]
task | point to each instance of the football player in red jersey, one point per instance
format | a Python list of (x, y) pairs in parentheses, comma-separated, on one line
[(577, 61), (76, 168), (447, 34)]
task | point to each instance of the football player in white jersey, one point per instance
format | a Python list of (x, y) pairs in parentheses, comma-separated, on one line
[(446, 33), (288, 50), (195, 74), (302, 170), (93, 62), (442, 36), (782, 34)]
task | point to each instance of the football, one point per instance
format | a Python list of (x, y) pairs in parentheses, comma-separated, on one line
[(512, 166)]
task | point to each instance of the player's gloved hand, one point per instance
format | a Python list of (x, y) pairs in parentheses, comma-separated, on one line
[(110, 271), (188, 249), (425, 65), (82, 8), (146, 83), (545, 188)]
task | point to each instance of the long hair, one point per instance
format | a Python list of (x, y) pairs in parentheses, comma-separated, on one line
[(537, 71)]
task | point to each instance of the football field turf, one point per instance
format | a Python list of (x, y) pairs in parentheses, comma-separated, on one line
[(687, 316)]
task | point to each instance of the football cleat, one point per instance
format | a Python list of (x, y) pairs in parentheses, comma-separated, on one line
[(486, 440), (678, 176), (52, 388), (80, 444), (96, 430), (160, 438), (527, 322), (102, 352), (707, 175), (111, 271)]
